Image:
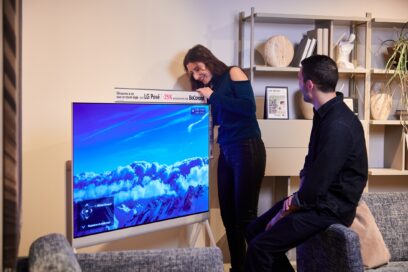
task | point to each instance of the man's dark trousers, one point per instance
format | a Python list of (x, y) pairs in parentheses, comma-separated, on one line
[(266, 249)]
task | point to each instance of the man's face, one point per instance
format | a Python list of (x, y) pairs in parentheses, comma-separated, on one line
[(304, 88)]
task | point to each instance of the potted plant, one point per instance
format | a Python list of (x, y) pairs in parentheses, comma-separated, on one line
[(396, 67)]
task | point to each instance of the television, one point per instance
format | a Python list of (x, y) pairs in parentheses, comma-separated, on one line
[(137, 168)]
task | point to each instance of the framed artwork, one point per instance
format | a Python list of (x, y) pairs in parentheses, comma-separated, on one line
[(276, 103), (351, 103)]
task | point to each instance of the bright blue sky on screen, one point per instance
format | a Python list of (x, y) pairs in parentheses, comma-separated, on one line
[(110, 135)]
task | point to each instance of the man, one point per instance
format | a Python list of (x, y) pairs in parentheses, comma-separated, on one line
[(332, 179)]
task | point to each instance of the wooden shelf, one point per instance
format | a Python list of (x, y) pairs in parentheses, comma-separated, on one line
[(278, 18), (264, 68), (386, 172), (385, 122), (377, 71), (353, 71), (382, 22)]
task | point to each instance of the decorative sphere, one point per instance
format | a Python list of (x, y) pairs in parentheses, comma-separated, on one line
[(278, 51)]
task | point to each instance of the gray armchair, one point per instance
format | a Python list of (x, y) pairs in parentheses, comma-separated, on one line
[(337, 249), (53, 253)]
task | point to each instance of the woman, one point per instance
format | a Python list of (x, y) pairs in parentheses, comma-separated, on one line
[(241, 164)]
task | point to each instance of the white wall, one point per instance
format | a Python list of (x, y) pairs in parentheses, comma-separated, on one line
[(79, 50)]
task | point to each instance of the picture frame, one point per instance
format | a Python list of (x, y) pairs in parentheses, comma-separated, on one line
[(351, 103), (276, 103)]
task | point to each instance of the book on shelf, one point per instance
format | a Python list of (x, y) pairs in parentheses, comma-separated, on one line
[(322, 40), (312, 47), (301, 51), (326, 41), (318, 35)]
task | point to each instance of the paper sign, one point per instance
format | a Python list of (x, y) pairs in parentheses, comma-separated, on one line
[(157, 96)]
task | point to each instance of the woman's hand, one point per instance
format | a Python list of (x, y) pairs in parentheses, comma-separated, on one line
[(206, 92)]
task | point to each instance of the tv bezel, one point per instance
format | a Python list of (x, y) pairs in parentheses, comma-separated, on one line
[(104, 237)]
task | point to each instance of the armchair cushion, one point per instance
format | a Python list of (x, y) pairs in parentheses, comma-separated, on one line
[(374, 252)]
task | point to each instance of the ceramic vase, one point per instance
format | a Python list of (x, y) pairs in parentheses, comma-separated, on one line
[(306, 109), (380, 106)]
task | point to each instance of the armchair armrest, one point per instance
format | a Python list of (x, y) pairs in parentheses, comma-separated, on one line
[(335, 249), (52, 253)]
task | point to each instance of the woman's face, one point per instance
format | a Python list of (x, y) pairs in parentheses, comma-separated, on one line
[(199, 72)]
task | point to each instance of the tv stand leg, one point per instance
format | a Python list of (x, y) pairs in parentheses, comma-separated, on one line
[(197, 231), (210, 233)]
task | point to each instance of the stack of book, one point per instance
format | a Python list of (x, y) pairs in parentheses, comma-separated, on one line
[(315, 41)]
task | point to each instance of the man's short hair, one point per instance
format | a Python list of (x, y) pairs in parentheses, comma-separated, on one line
[(322, 71)]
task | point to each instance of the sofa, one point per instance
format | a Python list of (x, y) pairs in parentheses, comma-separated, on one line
[(338, 247), (53, 253)]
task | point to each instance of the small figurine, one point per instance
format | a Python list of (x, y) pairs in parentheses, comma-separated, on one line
[(343, 52)]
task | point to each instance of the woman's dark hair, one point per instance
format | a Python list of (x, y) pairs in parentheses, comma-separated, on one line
[(322, 71), (202, 54)]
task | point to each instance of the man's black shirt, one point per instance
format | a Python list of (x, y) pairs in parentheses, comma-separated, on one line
[(335, 170)]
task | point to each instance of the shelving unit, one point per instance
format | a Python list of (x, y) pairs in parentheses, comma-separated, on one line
[(388, 155), (310, 21), (255, 28), (386, 136)]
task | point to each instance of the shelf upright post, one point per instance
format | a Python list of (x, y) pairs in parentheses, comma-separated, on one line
[(352, 79), (251, 45), (367, 86), (353, 29), (241, 40)]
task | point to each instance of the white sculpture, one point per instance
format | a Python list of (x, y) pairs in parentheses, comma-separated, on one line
[(343, 52)]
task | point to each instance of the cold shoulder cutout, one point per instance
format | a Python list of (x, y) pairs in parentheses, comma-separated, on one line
[(237, 74)]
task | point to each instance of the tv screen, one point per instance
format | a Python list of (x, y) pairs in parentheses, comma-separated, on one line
[(138, 164)]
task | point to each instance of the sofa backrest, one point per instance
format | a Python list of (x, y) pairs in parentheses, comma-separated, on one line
[(53, 253), (390, 211)]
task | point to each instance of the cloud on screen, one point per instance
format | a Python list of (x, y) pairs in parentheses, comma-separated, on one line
[(140, 180)]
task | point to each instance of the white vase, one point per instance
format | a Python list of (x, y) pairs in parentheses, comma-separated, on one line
[(380, 105)]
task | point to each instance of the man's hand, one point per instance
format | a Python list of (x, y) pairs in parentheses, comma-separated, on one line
[(275, 219), (287, 208), (287, 205)]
